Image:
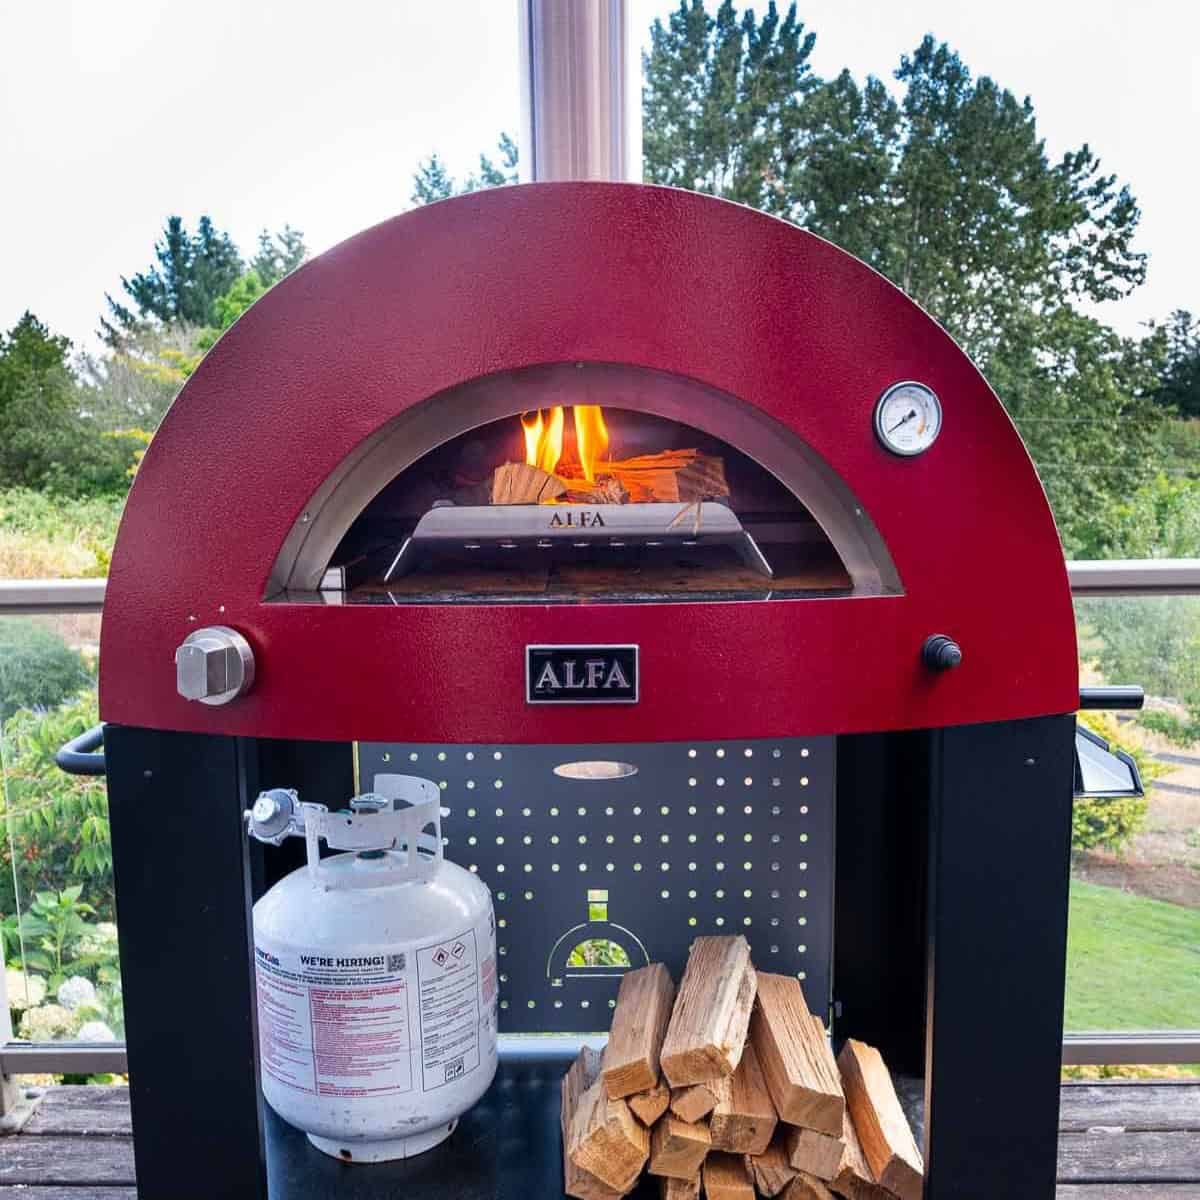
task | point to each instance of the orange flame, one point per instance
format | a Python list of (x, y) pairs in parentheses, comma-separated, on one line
[(591, 437), (543, 438)]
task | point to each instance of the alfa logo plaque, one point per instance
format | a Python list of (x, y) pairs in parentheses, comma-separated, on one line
[(581, 674)]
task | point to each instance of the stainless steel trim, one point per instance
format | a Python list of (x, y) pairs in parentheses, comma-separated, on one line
[(580, 91), (63, 1058), (1135, 577), (1099, 1049), (20, 596)]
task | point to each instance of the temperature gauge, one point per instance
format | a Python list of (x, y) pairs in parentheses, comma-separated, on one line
[(908, 418)]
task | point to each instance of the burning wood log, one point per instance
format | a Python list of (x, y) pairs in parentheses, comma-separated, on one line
[(771, 1170), (639, 1024), (648, 1106), (692, 1103), (743, 1119), (712, 1012), (726, 1178), (582, 1074), (796, 1060), (519, 483), (887, 1142)]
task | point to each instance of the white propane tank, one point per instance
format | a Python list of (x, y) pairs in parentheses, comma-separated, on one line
[(376, 975)]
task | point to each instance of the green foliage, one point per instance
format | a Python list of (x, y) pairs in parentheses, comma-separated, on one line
[(59, 823), (1131, 962), (52, 928), (279, 254), (1180, 386), (1152, 641), (1160, 519), (191, 271), (49, 536), (432, 182), (1110, 824), (1170, 725), (598, 952), (47, 439), (37, 668)]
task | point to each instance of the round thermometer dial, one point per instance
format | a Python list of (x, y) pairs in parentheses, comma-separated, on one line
[(908, 418)]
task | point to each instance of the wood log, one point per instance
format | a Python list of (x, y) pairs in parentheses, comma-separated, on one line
[(726, 1177), (815, 1153), (606, 1140), (671, 476), (796, 1060), (712, 1012), (670, 1188), (882, 1128), (693, 1102), (678, 1147), (519, 483), (582, 1074), (743, 1118), (639, 1024), (806, 1187), (770, 1169), (650, 1105), (854, 1179)]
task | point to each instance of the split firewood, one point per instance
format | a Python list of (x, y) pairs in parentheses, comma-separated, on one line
[(815, 1153), (726, 1178), (648, 1106), (743, 1119), (519, 483), (712, 1012), (670, 1188), (671, 476), (606, 1140), (796, 1060), (807, 1187), (883, 1130), (854, 1179), (678, 1147), (771, 1170), (639, 1024), (693, 1102), (583, 1074)]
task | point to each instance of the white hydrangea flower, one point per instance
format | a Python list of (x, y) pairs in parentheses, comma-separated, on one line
[(76, 992), (47, 1023), (99, 939), (24, 991), (95, 1031)]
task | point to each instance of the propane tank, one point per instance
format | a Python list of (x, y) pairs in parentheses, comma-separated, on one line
[(376, 975)]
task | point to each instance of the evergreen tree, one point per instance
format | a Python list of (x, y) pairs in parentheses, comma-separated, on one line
[(279, 254), (191, 271), (1180, 384), (432, 182)]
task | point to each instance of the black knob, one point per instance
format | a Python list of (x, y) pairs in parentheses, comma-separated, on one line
[(940, 652)]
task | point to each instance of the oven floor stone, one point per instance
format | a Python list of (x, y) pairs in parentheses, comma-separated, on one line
[(1118, 1141)]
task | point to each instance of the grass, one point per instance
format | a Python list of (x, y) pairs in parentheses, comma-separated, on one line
[(1132, 962), (44, 536)]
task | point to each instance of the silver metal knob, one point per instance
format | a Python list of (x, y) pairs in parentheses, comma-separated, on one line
[(214, 665)]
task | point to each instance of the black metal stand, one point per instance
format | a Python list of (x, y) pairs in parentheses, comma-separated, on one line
[(999, 877), (182, 873)]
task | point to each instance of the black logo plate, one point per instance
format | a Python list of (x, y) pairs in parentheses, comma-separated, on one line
[(581, 674)]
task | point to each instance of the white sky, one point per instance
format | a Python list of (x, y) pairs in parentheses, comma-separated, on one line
[(114, 114)]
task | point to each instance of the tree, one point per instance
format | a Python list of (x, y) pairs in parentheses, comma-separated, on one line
[(192, 270), (1179, 388), (432, 182), (279, 254)]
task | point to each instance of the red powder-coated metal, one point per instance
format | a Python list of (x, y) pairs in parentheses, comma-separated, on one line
[(590, 272)]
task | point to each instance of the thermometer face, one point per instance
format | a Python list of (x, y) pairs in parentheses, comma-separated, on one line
[(908, 418)]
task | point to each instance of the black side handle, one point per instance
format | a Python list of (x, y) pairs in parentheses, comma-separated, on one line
[(83, 755), (1109, 698)]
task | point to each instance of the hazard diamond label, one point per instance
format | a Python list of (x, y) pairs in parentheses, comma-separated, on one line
[(458, 949), (440, 956)]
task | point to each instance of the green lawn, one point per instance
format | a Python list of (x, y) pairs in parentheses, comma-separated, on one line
[(1132, 963)]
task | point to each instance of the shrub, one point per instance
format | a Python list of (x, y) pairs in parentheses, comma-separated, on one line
[(1111, 824), (37, 668), (45, 536)]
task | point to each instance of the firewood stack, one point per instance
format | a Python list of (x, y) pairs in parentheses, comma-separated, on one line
[(730, 1086)]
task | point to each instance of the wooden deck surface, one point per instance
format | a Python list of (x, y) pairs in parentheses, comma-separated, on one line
[(1119, 1141)]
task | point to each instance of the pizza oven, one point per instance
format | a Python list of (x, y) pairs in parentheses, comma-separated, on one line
[(708, 580)]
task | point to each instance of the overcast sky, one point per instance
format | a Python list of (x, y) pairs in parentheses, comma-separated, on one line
[(118, 112)]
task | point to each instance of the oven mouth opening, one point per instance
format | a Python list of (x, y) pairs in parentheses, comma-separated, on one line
[(623, 501)]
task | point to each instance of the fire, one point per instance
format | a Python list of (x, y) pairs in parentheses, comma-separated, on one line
[(544, 438), (591, 437)]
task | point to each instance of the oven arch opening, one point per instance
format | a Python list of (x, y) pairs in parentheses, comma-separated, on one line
[(757, 453)]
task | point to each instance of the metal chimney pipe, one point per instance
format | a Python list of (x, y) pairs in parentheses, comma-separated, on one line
[(580, 96)]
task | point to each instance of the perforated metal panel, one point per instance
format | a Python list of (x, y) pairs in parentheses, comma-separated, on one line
[(705, 837)]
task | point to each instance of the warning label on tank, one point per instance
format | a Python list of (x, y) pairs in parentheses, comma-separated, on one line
[(334, 1026), (448, 988)]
